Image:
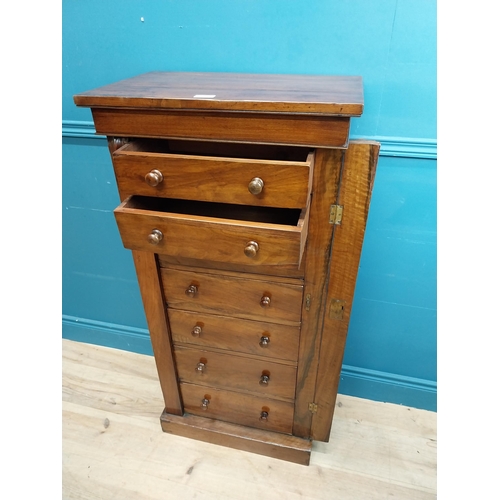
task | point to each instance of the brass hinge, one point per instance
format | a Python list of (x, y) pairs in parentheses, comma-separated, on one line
[(336, 214), (308, 302), (313, 407)]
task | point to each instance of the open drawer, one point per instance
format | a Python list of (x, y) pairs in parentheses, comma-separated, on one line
[(244, 174), (217, 232)]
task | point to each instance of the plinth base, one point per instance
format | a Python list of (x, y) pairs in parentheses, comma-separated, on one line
[(271, 444)]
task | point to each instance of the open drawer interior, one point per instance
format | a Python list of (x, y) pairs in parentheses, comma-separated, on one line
[(268, 215), (221, 149)]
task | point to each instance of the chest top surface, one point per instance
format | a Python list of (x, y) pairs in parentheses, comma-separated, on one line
[(328, 95)]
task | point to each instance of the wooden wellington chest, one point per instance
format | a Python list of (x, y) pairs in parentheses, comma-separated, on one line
[(244, 205)]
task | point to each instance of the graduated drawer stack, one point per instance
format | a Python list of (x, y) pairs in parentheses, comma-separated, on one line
[(228, 223)]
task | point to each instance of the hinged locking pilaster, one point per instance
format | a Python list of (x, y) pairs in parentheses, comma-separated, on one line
[(336, 214)]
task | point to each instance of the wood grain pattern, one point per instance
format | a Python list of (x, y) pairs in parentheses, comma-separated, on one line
[(234, 335), (154, 307), (328, 167), (235, 372), (206, 136), (213, 178), (258, 441), (339, 95), (232, 296), (218, 239), (236, 407), (255, 275), (293, 130), (376, 450), (277, 272), (355, 194)]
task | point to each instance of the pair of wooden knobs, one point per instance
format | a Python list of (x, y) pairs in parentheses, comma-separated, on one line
[(250, 250), (155, 178), (264, 415), (197, 331), (192, 290), (264, 379)]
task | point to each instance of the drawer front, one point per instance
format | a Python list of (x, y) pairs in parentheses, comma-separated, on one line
[(233, 296), (214, 179), (233, 372), (243, 409), (211, 237), (236, 335), (265, 128)]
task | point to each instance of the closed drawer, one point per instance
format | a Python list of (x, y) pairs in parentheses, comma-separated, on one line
[(230, 371), (259, 175), (240, 297), (217, 232), (236, 335), (243, 409), (304, 129)]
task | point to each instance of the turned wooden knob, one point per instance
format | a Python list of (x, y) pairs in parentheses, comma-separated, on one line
[(264, 341), (263, 416), (264, 380), (153, 178), (200, 368), (155, 237), (265, 301), (204, 403), (256, 185), (196, 331), (251, 249), (191, 291)]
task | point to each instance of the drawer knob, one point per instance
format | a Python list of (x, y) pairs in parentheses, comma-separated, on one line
[(155, 237), (264, 341), (256, 185), (200, 368), (251, 249), (264, 380), (265, 301), (204, 403), (154, 178), (263, 416), (191, 291), (196, 331)]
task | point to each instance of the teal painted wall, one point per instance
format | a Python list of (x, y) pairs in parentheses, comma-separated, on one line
[(391, 347)]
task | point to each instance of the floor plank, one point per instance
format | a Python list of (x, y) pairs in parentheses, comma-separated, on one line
[(113, 446)]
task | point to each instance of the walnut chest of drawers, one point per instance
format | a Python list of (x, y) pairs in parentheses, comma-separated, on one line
[(245, 206)]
